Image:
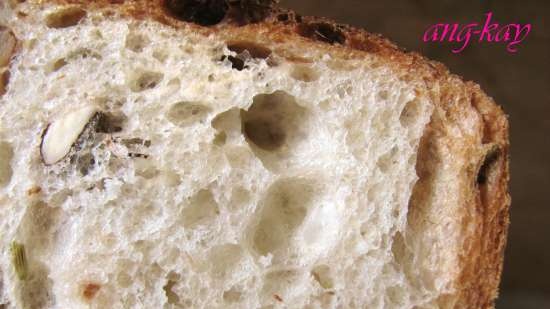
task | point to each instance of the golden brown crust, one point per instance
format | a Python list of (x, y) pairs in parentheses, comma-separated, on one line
[(482, 269), (485, 215)]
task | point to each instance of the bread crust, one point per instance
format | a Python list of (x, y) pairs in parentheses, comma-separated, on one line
[(484, 210)]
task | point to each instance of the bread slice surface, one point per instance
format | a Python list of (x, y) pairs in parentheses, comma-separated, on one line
[(284, 163)]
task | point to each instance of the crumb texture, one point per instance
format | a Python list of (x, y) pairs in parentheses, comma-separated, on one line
[(147, 167)]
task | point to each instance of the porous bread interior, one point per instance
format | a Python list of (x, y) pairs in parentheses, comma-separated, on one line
[(302, 210)]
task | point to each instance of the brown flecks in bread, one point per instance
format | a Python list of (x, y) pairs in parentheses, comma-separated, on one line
[(34, 190), (90, 290)]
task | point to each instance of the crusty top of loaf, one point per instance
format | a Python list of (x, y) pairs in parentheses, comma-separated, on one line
[(466, 123)]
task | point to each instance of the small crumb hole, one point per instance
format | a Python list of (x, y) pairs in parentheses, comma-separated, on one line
[(110, 122), (304, 73), (398, 248), (272, 120), (410, 113), (136, 42), (160, 55), (388, 160), (323, 276), (124, 279), (220, 139), (237, 63), (233, 295), (239, 197), (245, 51), (253, 50), (489, 162), (383, 95), (204, 13), (225, 259), (185, 113), (145, 80), (323, 32), (283, 211), (57, 65), (7, 48), (6, 157), (4, 81), (172, 280), (65, 17), (82, 53), (85, 163), (200, 208)]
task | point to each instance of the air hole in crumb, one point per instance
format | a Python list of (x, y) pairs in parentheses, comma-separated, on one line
[(186, 113), (145, 80), (411, 113), (201, 208), (204, 13), (239, 197), (323, 276), (136, 42), (323, 32), (160, 55), (58, 64), (272, 119), (124, 280), (110, 122), (388, 160), (65, 17), (224, 259), (383, 95), (233, 295), (4, 81), (398, 248), (487, 166), (6, 156), (172, 280), (304, 73), (82, 53), (283, 211), (220, 138), (9, 43), (254, 50), (245, 51), (85, 163)]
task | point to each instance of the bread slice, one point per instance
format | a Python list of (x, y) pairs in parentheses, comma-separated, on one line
[(213, 154)]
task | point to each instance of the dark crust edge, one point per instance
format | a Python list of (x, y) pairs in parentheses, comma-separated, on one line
[(481, 262)]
